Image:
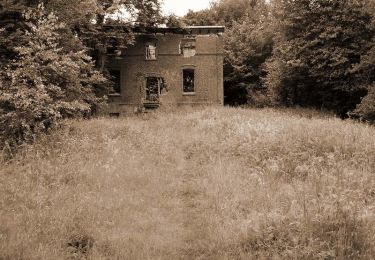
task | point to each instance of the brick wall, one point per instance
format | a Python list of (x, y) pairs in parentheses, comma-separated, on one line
[(207, 63)]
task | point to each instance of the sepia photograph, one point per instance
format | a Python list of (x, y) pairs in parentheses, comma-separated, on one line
[(187, 129)]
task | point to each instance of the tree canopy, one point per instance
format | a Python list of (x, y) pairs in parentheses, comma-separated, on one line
[(50, 59), (248, 43), (317, 45), (311, 53)]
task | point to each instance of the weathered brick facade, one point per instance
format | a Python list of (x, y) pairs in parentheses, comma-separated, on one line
[(140, 68)]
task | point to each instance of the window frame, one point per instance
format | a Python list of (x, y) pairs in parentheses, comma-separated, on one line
[(190, 93), (188, 43), (116, 94), (147, 44), (162, 85), (147, 79)]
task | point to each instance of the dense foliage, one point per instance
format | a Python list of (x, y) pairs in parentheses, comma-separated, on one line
[(248, 43), (45, 82), (90, 20), (311, 53), (51, 59), (312, 63)]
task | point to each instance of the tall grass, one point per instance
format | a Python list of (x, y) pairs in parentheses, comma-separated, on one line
[(215, 183)]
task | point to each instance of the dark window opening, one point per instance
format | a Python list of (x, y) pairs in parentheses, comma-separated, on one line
[(113, 48), (113, 51), (116, 80), (115, 115), (188, 81), (150, 51), (155, 86)]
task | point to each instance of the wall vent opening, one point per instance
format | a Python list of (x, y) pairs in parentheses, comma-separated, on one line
[(114, 115)]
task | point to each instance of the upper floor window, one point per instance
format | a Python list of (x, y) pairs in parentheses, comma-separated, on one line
[(116, 79), (150, 51), (188, 81), (187, 47)]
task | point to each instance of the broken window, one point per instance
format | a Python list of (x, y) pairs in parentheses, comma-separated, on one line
[(155, 86), (188, 81), (116, 79), (150, 51), (187, 47)]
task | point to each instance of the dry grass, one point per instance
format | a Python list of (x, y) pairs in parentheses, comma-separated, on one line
[(205, 184)]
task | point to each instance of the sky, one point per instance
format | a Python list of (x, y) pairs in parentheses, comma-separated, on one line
[(181, 7)]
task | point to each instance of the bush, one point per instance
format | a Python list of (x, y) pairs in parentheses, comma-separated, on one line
[(45, 82), (366, 109)]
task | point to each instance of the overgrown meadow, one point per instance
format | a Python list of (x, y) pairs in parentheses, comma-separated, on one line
[(214, 183)]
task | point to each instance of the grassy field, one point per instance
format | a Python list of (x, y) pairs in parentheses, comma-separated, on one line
[(203, 184)]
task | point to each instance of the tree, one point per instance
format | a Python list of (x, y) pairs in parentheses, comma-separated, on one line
[(98, 36), (46, 73), (222, 12), (43, 82), (248, 44), (174, 21), (200, 18), (365, 110), (89, 20), (228, 12), (317, 45)]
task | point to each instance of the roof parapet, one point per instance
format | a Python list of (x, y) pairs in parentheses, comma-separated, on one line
[(206, 29), (193, 30)]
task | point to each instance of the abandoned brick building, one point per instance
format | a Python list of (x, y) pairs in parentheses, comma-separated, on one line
[(168, 67)]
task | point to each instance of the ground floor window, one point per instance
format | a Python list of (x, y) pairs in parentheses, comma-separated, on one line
[(188, 81), (155, 86), (116, 79)]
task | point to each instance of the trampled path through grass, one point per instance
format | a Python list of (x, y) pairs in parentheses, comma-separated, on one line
[(215, 183)]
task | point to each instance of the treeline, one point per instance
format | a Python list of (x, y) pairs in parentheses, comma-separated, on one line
[(51, 67), (311, 53)]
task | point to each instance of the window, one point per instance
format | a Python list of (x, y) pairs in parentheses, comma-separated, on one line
[(155, 86), (116, 79), (150, 51), (187, 47), (188, 81)]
